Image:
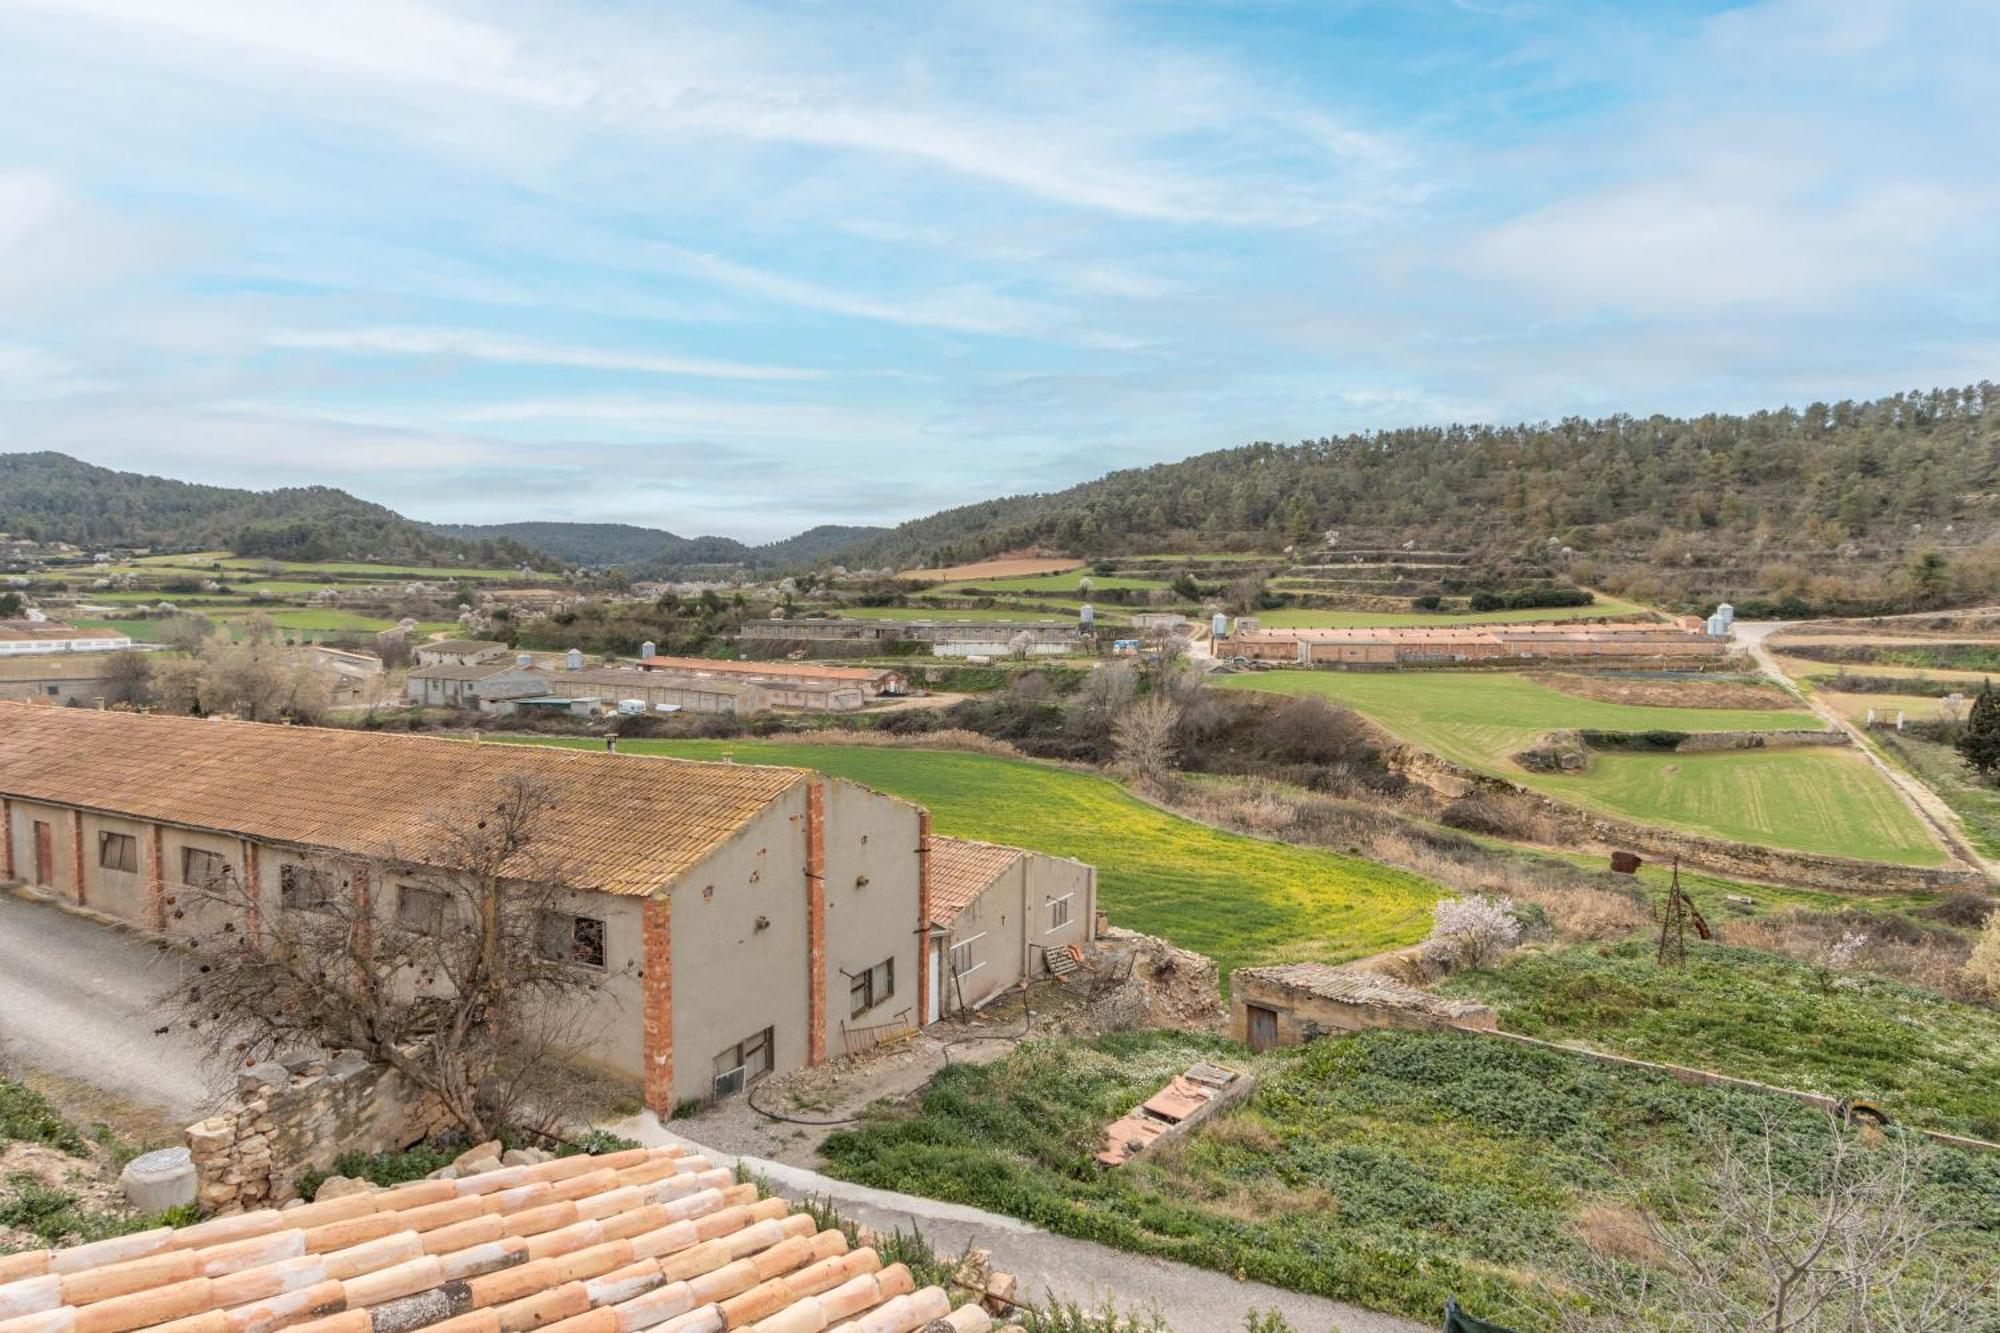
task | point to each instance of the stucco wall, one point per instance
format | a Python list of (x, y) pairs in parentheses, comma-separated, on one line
[(733, 977), (871, 838), (1008, 926)]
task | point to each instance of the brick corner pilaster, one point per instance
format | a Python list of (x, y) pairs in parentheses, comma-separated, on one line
[(657, 991)]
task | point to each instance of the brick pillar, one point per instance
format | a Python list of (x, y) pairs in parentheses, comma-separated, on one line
[(76, 852), (156, 878), (924, 918), (253, 902), (364, 915), (6, 839), (815, 922), (658, 993)]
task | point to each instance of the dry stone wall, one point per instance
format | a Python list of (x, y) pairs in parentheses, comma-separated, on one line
[(303, 1115)]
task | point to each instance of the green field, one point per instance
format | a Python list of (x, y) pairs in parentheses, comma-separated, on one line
[(1812, 800), (1049, 616), (1239, 900), (203, 564), (1070, 582), (1294, 617)]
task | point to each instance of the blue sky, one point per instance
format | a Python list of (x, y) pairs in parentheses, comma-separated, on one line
[(746, 268)]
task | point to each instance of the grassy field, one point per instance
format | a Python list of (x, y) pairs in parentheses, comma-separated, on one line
[(1065, 614), (1925, 1059), (1391, 1169), (1812, 800), (1298, 617), (1944, 772), (1239, 900), (1070, 582)]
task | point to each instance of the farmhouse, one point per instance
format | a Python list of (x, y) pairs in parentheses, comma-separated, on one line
[(67, 678), (25, 637), (748, 919), (472, 686), (1289, 1004), (997, 913), (1387, 647), (459, 652)]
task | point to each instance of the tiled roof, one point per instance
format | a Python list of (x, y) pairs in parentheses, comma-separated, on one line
[(620, 823), (467, 671), (777, 670), (36, 631), (647, 1238), (960, 871), (460, 646), (56, 666), (620, 677)]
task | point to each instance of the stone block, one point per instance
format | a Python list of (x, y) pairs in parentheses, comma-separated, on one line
[(490, 1148), (269, 1074), (339, 1187)]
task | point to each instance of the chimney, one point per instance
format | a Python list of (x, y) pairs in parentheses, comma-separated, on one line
[(611, 745)]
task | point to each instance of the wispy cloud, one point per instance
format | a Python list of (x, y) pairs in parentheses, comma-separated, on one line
[(455, 343)]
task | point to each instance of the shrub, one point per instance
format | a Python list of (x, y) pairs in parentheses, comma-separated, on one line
[(1982, 969), (1476, 929)]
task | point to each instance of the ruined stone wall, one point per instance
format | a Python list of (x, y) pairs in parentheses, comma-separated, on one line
[(301, 1115), (1303, 1017)]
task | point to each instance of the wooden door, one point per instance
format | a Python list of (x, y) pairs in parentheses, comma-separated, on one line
[(1263, 1027), (45, 854)]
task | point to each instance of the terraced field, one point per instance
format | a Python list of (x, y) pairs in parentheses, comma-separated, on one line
[(1240, 900), (1070, 582), (1817, 800), (1294, 617)]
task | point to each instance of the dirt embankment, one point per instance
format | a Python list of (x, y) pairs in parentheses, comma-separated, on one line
[(1665, 693)]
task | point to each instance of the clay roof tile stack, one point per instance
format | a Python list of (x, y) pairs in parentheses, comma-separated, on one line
[(643, 1239), (624, 824)]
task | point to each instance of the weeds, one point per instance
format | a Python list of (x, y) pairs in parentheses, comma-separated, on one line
[(57, 1217)]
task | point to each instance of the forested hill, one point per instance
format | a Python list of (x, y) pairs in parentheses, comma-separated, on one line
[(1847, 487), (53, 497), (646, 551)]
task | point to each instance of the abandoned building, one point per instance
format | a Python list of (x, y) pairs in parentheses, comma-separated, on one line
[(357, 677), (1288, 1004), (460, 652), (997, 914), (25, 637), (57, 678), (747, 919), (1627, 642)]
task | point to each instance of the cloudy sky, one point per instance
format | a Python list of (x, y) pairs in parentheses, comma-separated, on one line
[(745, 268)]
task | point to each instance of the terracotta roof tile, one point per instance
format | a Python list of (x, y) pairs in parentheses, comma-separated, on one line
[(775, 670), (625, 824), (960, 871), (656, 1238)]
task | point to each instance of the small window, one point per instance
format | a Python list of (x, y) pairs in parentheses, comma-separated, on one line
[(1059, 912), (572, 939), (961, 956), (421, 910), (305, 888), (118, 851), (871, 987), (744, 1063), (204, 869)]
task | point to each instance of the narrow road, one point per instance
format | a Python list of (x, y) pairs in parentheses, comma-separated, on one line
[(1928, 806), (1051, 1267), (78, 1001)]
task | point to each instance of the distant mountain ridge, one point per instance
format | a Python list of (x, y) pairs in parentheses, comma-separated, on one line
[(642, 550)]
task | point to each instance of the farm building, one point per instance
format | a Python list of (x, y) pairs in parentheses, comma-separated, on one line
[(805, 630), (472, 686), (460, 652), (50, 678), (614, 685), (28, 637), (948, 638), (1289, 1004), (358, 677), (872, 682), (733, 908), (1474, 643), (996, 913)]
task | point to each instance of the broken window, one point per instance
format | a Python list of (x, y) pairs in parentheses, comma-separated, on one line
[(421, 910), (738, 1066), (118, 851), (305, 888), (871, 987), (566, 938), (961, 956), (1059, 912), (203, 869)]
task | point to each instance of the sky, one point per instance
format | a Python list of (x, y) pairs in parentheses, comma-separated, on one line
[(744, 269)]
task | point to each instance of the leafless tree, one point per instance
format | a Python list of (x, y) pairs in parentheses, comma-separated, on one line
[(127, 678), (1147, 737), (1843, 1244), (457, 972)]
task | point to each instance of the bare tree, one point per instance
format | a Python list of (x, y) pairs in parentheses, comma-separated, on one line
[(127, 678), (1147, 737), (1819, 1231), (467, 978)]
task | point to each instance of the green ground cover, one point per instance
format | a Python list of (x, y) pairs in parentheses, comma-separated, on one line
[(331, 567), (1814, 800), (1928, 1060), (1943, 770), (1065, 613), (1298, 617), (1237, 899), (1391, 1169), (1070, 582)]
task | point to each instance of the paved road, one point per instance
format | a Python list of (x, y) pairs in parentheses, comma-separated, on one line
[(77, 1000), (1927, 805), (1192, 1300)]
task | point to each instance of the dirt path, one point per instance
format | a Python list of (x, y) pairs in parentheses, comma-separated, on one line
[(1939, 817)]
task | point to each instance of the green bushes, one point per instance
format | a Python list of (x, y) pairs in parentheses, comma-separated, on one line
[(1520, 599), (27, 1117)]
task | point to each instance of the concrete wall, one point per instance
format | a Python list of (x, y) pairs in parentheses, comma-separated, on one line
[(739, 947), (1008, 931), (81, 688), (871, 911)]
